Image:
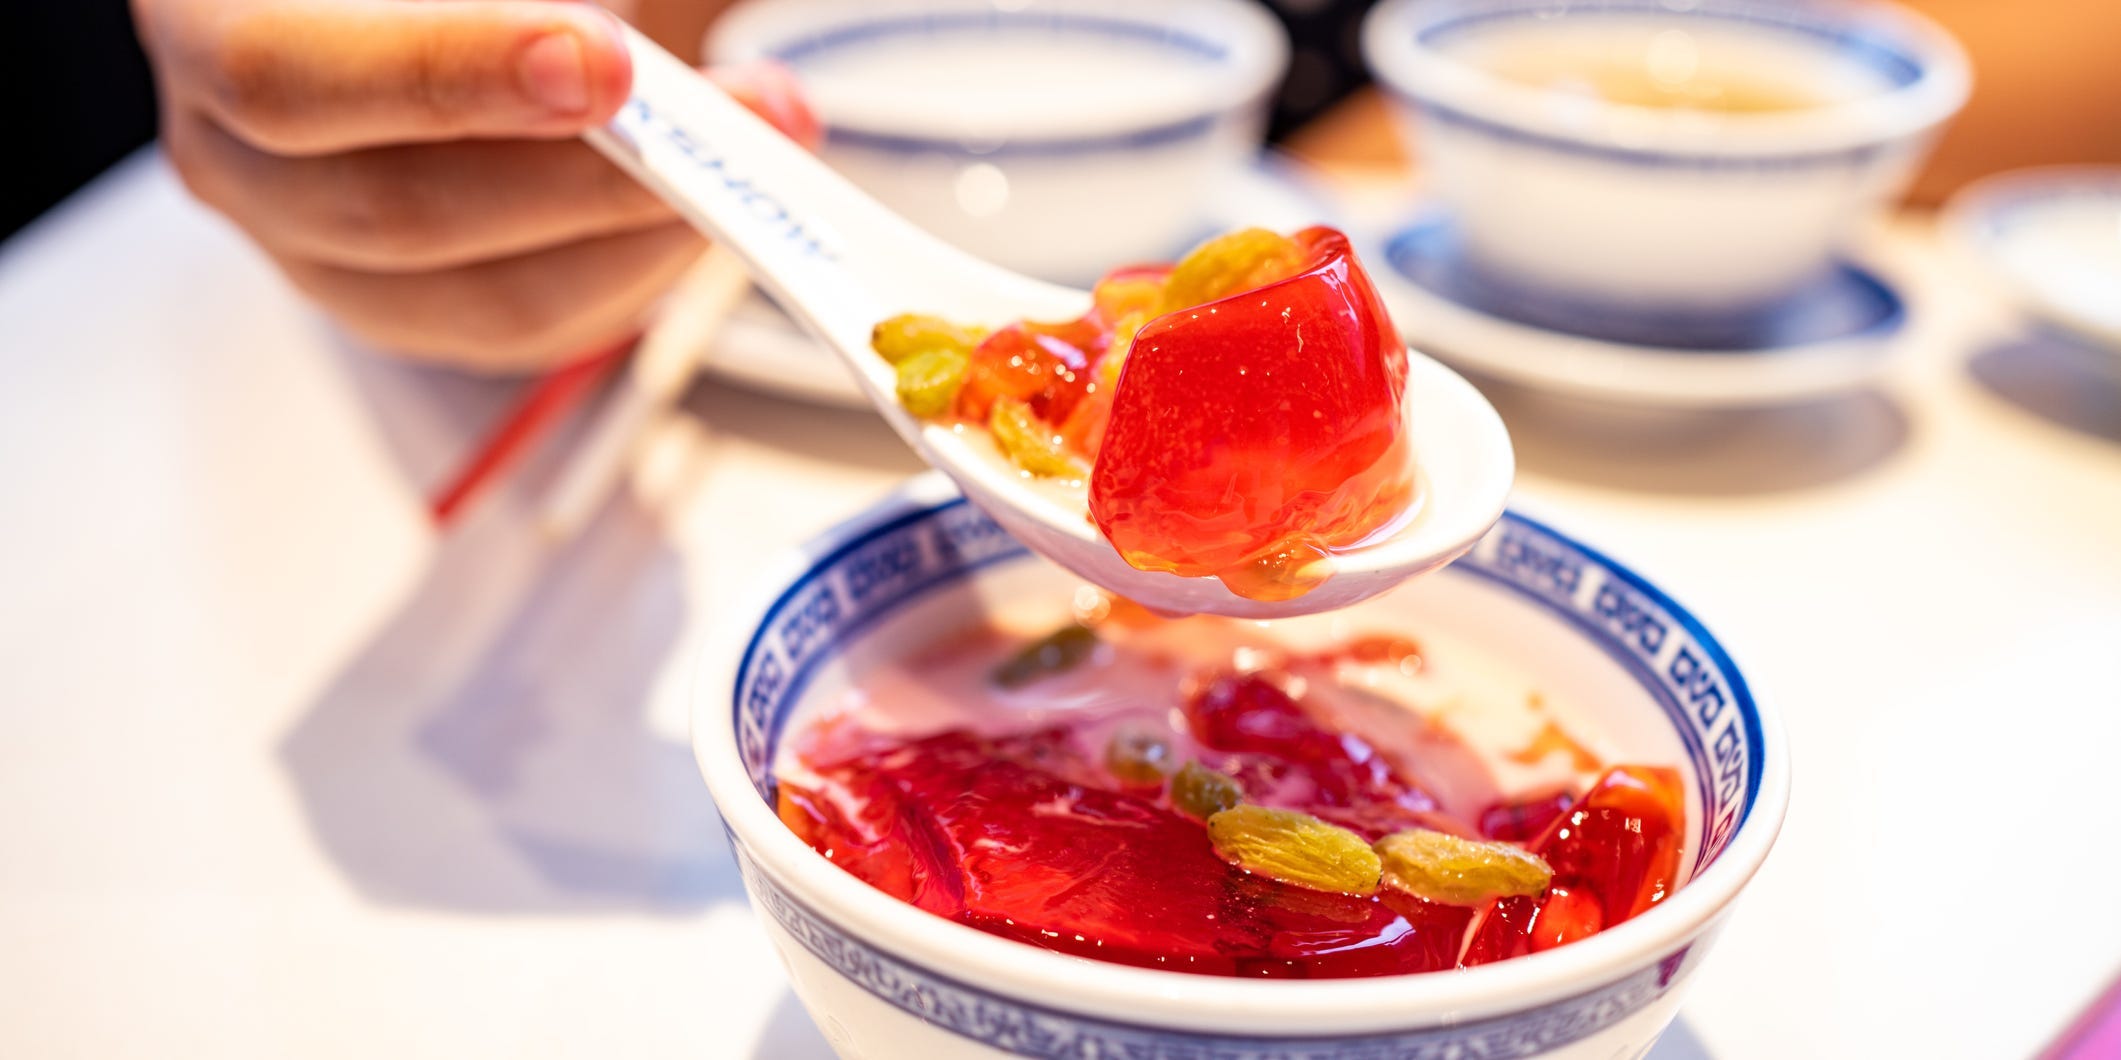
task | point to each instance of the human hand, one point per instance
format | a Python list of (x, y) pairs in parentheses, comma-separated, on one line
[(414, 167)]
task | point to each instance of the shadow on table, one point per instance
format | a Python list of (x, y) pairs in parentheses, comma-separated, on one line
[(791, 1034), (1678, 1042), (488, 749), (855, 438), (1722, 452), (2057, 378)]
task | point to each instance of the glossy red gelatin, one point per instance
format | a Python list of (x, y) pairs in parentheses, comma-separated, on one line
[(1027, 837), (1252, 435), (1614, 854), (1032, 835)]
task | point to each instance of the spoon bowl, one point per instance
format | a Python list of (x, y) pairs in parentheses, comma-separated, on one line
[(838, 261)]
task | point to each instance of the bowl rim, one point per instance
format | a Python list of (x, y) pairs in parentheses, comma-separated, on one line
[(1429, 79), (1178, 1000), (1255, 52)]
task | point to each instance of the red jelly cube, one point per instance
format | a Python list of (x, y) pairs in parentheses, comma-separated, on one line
[(1285, 758), (1256, 432), (1042, 364), (1614, 855)]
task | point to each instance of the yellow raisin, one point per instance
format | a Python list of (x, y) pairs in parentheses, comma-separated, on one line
[(1115, 355), (1057, 652), (907, 334), (1138, 756), (1029, 443), (1230, 263), (1446, 868), (928, 381), (1117, 296), (1204, 792), (1295, 848)]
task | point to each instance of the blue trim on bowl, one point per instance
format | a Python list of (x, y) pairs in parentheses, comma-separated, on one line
[(1886, 58), (1682, 675), (1851, 157), (1863, 44), (816, 614), (874, 571), (1045, 21), (1848, 303), (1198, 48), (1155, 136), (1027, 1029)]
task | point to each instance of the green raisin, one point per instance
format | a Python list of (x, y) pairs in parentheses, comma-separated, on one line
[(928, 382), (1204, 792), (1057, 652), (1138, 756), (1231, 263), (1446, 868), (1030, 443), (1295, 848), (908, 334)]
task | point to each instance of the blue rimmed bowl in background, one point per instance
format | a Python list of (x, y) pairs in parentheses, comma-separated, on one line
[(1550, 131), (884, 979), (1055, 138)]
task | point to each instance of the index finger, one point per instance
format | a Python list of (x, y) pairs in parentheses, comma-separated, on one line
[(331, 75)]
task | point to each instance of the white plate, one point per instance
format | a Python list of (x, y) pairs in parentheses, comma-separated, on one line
[(1834, 338), (760, 347), (2051, 237)]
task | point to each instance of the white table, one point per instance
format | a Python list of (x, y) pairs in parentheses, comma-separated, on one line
[(287, 776)]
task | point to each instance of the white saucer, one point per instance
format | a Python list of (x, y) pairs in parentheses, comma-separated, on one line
[(1830, 339), (760, 347), (2051, 237)]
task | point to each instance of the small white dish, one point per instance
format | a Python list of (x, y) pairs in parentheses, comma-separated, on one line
[(761, 348), (1664, 208), (2051, 238), (1834, 337)]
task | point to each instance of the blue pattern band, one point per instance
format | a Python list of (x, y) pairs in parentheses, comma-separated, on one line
[(1026, 1029)]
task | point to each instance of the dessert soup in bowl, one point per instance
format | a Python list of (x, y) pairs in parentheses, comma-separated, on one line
[(1529, 621), (1603, 157)]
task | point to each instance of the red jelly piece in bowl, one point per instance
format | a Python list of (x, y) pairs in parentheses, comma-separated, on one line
[(1251, 435), (1614, 855)]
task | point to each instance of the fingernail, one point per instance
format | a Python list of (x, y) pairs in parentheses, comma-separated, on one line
[(553, 74)]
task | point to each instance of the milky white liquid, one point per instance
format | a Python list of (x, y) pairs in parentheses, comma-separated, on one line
[(997, 82)]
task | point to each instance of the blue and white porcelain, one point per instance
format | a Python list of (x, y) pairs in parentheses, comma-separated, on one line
[(761, 348), (2050, 238), (1836, 334), (1053, 137), (1668, 211), (886, 980)]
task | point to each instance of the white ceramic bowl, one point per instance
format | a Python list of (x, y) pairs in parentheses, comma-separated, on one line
[(1055, 138), (1597, 205), (884, 979)]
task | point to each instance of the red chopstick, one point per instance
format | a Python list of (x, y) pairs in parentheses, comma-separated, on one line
[(542, 407)]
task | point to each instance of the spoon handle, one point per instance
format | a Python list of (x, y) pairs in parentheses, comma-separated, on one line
[(805, 232)]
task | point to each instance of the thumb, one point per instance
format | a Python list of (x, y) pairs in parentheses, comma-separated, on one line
[(321, 77)]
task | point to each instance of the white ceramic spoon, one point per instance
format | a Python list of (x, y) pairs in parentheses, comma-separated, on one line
[(838, 261)]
